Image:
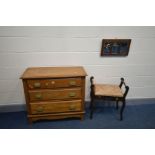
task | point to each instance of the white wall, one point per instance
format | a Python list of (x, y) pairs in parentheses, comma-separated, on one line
[(22, 47)]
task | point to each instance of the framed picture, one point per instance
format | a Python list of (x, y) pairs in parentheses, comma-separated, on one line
[(115, 47)]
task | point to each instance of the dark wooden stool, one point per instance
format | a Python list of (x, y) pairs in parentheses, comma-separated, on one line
[(108, 92)]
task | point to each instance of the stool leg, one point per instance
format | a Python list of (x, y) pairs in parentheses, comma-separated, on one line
[(91, 108), (116, 104), (122, 109)]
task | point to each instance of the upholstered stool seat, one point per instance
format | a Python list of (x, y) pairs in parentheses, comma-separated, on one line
[(108, 91)]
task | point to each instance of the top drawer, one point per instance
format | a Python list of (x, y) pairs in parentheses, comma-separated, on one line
[(53, 83)]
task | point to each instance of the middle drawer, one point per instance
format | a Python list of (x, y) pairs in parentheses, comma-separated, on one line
[(59, 94)]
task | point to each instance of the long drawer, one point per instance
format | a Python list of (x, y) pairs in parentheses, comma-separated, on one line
[(53, 83), (57, 94), (55, 107)]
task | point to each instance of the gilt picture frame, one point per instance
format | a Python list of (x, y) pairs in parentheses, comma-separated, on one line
[(115, 47)]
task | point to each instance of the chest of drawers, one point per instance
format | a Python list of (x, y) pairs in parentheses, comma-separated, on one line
[(54, 92)]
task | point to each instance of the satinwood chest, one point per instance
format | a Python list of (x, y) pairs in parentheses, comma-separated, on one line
[(54, 92)]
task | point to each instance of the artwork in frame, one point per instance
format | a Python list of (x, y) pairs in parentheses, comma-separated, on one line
[(115, 47)]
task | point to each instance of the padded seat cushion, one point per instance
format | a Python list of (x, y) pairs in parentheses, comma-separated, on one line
[(108, 90)]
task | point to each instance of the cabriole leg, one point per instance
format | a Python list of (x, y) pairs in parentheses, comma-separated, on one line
[(122, 109), (91, 108), (117, 103)]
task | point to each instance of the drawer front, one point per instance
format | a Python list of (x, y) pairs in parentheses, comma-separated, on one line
[(61, 94), (55, 107), (54, 83)]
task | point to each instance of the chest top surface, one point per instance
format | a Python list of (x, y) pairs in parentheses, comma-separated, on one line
[(53, 72)]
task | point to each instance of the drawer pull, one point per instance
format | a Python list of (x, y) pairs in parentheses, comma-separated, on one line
[(37, 85), (53, 82), (38, 96), (46, 84), (72, 94), (72, 107), (40, 109), (72, 83), (30, 86)]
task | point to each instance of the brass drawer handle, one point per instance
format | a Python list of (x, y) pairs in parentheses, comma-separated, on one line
[(38, 96), (37, 85), (72, 107), (52, 82), (72, 94), (72, 83), (46, 84), (40, 109)]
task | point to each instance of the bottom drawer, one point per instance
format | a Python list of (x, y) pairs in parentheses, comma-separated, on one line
[(55, 107)]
